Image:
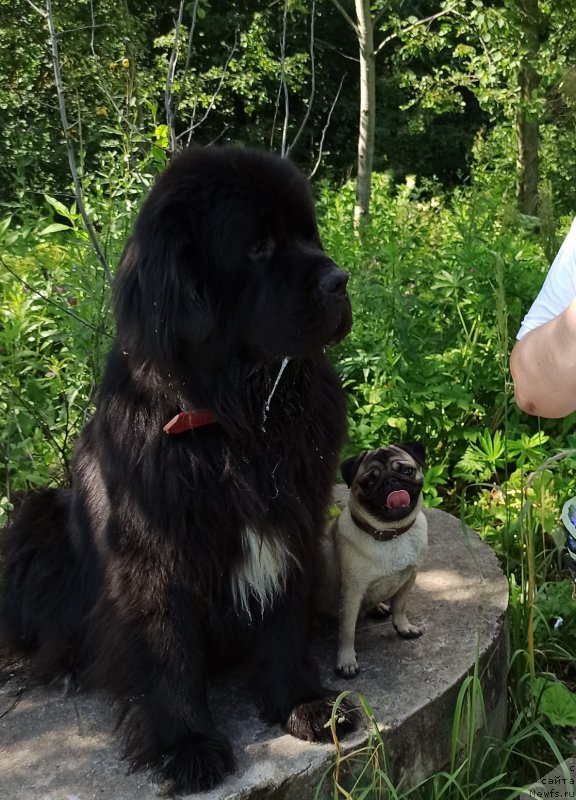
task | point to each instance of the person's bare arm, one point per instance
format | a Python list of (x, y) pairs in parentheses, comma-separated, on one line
[(543, 367)]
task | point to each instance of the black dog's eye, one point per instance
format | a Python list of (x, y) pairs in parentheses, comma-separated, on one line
[(409, 471), (262, 249)]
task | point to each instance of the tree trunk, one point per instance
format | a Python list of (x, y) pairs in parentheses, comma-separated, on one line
[(365, 29), (527, 122)]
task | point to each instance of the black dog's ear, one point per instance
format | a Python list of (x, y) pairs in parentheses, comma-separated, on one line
[(416, 450), (157, 304), (349, 467)]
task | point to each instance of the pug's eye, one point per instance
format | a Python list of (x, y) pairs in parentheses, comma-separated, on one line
[(408, 471), (262, 249)]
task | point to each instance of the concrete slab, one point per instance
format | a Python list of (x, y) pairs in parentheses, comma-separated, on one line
[(61, 746)]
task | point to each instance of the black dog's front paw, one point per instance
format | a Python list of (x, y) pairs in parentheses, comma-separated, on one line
[(311, 721), (196, 764)]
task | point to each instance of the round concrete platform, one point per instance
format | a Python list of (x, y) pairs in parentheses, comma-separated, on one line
[(58, 746)]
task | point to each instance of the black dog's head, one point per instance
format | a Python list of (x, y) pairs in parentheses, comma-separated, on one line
[(387, 482), (226, 257)]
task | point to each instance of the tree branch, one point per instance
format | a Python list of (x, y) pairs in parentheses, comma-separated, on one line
[(283, 88), (102, 86), (312, 80), (326, 126), (411, 27), (92, 28), (69, 146), (379, 15), (188, 56), (170, 115), (51, 302), (346, 16), (49, 436), (193, 124), (36, 9)]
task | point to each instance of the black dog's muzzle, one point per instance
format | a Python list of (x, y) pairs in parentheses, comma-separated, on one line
[(333, 302), (332, 283)]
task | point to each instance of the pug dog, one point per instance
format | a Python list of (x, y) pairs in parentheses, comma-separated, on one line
[(372, 551)]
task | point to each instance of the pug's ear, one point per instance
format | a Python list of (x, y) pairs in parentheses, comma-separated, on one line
[(416, 450), (349, 467)]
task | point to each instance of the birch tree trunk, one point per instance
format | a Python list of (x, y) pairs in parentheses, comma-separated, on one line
[(365, 29)]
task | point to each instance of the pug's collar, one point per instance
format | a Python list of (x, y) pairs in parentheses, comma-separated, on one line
[(381, 536)]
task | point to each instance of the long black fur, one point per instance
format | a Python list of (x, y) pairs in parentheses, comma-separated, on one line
[(126, 578)]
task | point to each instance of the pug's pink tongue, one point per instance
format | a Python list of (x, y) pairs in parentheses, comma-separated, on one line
[(398, 499)]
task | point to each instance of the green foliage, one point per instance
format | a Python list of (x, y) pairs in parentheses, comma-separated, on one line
[(427, 357), (5, 508), (54, 313), (115, 64), (96, 41), (556, 702), (479, 49), (555, 622)]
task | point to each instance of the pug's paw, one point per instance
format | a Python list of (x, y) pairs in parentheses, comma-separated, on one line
[(407, 630), (347, 665), (380, 611)]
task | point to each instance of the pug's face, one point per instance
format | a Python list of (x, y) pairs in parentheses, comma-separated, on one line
[(386, 483)]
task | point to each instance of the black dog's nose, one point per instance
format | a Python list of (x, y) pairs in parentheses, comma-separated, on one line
[(333, 281)]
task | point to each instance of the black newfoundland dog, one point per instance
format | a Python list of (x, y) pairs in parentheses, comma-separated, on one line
[(189, 534)]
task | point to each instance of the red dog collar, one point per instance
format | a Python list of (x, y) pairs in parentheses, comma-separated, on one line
[(188, 420)]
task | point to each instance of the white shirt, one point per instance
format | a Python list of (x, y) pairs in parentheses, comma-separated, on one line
[(559, 288)]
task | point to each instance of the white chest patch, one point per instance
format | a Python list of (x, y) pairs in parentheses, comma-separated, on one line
[(262, 573)]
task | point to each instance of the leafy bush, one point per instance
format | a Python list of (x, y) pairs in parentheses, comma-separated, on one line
[(54, 321), (439, 286)]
